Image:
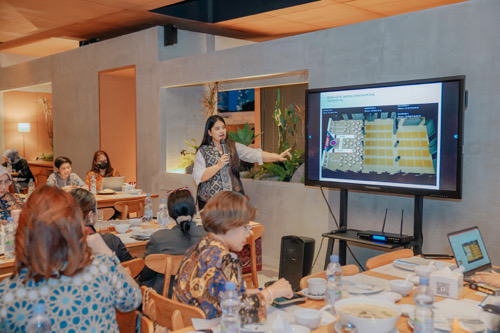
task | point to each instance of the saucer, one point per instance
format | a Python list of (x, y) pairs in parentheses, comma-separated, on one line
[(313, 297), (339, 328)]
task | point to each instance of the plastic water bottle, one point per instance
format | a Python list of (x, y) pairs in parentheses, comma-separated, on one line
[(162, 215), (230, 305), (423, 312), (9, 239), (39, 323), (148, 208), (334, 284), (31, 186), (9, 166), (93, 185)]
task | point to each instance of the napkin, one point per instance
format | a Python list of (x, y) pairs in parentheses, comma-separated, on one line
[(281, 326)]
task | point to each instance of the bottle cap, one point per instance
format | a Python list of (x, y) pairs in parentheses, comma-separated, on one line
[(149, 194), (424, 280), (230, 286), (334, 258), (162, 200), (10, 219)]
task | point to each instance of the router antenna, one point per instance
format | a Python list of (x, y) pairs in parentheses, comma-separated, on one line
[(385, 217), (401, 227)]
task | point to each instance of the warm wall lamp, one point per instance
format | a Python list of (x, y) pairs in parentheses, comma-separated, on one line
[(24, 128)]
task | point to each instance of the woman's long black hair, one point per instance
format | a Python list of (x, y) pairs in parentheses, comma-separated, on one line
[(181, 203), (230, 146)]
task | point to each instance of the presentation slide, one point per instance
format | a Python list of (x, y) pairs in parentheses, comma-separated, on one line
[(386, 136)]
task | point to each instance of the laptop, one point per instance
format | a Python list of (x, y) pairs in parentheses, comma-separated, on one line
[(470, 251), (114, 183)]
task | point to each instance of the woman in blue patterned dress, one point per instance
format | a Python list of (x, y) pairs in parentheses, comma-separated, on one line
[(79, 279), (8, 201), (208, 265)]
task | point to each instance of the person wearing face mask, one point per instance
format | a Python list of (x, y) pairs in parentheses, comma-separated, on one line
[(64, 178), (101, 167), (19, 165), (217, 161)]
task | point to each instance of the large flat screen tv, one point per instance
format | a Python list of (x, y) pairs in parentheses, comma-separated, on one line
[(399, 137)]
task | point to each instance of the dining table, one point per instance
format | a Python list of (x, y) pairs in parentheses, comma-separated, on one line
[(402, 323), (109, 200)]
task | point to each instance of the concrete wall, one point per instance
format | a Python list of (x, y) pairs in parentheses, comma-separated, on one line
[(450, 40)]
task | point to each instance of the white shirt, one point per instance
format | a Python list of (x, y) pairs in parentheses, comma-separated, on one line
[(247, 154)]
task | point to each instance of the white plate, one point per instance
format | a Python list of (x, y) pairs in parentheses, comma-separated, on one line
[(314, 297), (442, 323), (338, 328), (405, 266), (363, 288)]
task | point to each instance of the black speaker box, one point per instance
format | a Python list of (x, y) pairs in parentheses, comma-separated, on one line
[(170, 35), (297, 255)]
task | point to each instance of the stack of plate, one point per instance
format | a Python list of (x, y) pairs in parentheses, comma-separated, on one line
[(143, 234)]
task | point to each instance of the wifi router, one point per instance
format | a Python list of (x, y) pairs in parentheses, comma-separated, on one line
[(384, 237)]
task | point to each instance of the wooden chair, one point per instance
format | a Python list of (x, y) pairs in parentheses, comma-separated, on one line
[(388, 258), (251, 278), (5, 275), (165, 264), (166, 312), (134, 266), (131, 208), (127, 321), (107, 213), (346, 271)]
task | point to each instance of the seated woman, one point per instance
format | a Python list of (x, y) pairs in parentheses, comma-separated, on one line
[(8, 201), (101, 167), (19, 165), (181, 208), (64, 178), (208, 265), (88, 205), (55, 265)]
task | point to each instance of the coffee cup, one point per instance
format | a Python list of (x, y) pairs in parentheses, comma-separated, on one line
[(316, 286)]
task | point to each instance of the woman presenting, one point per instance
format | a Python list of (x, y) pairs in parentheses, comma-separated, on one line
[(217, 161)]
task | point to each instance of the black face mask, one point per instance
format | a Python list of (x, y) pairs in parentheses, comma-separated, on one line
[(102, 165)]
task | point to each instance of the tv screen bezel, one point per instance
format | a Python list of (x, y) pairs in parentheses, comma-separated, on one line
[(454, 194)]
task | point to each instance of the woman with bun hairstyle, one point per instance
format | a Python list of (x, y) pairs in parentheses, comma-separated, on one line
[(181, 208)]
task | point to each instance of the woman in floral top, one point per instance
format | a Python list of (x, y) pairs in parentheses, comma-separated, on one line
[(8, 201), (208, 265), (78, 279)]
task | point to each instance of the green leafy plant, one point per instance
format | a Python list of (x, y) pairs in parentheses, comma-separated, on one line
[(283, 170), (187, 157), (286, 119), (244, 135)]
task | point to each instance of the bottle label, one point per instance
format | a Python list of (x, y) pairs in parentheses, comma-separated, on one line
[(423, 325)]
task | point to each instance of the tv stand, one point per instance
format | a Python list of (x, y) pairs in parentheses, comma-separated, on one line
[(345, 235)]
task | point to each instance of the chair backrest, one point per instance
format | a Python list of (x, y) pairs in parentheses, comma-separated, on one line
[(107, 213), (166, 312), (346, 271), (165, 264), (130, 208), (134, 266), (388, 258), (127, 322), (251, 278)]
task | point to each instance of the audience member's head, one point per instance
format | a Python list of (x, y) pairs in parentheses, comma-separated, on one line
[(181, 208), (101, 162), (5, 181), (225, 211), (11, 155), (50, 239), (86, 201), (63, 165)]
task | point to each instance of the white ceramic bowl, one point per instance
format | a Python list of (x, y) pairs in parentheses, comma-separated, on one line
[(135, 222), (308, 317), (366, 325), (299, 329), (122, 227), (401, 287)]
